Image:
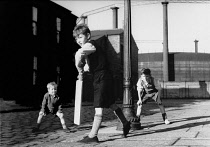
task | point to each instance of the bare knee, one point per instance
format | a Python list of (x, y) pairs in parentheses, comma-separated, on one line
[(41, 114), (59, 114), (99, 111)]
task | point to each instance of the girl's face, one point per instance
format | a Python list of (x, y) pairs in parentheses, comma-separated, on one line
[(52, 90), (81, 39)]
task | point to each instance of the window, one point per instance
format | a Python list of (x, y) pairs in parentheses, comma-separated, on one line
[(34, 20), (58, 26), (58, 74), (34, 70)]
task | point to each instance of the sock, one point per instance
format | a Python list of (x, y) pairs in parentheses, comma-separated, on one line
[(96, 125), (164, 116), (118, 112)]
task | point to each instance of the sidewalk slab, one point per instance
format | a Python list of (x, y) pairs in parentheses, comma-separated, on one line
[(193, 142), (110, 130)]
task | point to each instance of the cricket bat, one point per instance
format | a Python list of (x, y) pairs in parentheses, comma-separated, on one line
[(78, 102)]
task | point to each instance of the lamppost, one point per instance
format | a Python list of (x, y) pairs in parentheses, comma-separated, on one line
[(128, 107)]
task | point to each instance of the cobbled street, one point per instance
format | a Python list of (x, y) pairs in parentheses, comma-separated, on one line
[(190, 127), (16, 127)]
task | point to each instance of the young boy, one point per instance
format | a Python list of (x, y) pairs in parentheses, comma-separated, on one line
[(51, 104), (149, 88), (91, 58)]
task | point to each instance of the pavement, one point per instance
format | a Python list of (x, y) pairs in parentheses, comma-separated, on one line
[(190, 127)]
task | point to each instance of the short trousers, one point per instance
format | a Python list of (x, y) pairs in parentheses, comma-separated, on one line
[(47, 111), (154, 96), (103, 91)]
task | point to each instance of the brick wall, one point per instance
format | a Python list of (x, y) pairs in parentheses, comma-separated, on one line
[(185, 89)]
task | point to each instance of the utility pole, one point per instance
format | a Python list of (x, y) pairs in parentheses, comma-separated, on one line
[(165, 42), (128, 107)]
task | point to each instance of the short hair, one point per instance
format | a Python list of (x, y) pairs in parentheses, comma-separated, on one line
[(145, 71), (52, 84), (80, 29)]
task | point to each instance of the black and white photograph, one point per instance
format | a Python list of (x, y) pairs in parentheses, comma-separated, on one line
[(105, 73)]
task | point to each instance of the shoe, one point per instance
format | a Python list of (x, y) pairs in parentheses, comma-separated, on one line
[(126, 129), (35, 130), (138, 117), (167, 122), (87, 139), (67, 130)]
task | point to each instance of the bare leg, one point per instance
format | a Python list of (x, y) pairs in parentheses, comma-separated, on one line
[(162, 108), (60, 115), (41, 114), (138, 112)]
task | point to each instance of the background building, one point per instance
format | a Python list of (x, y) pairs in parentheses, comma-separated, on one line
[(183, 67), (189, 73), (36, 47)]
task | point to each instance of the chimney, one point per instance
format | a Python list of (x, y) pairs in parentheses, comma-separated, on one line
[(82, 19), (196, 46), (115, 17)]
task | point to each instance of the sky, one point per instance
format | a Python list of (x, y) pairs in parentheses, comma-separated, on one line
[(187, 22)]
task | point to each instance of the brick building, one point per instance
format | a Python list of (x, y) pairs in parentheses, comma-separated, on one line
[(36, 47)]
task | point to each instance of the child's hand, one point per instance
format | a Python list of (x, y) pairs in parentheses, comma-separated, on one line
[(80, 76), (86, 68), (42, 113), (139, 102), (80, 54)]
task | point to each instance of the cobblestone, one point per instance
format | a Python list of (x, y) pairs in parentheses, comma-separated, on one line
[(16, 127)]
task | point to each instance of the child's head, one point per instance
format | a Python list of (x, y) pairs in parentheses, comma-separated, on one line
[(145, 71), (145, 75), (52, 88), (81, 33)]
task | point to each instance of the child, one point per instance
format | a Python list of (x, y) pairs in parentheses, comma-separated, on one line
[(91, 58), (51, 104), (149, 88)]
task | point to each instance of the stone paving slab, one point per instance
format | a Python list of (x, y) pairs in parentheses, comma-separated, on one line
[(193, 142)]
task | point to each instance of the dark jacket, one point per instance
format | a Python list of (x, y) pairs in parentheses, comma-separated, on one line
[(51, 104)]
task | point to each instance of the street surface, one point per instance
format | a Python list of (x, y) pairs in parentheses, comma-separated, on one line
[(190, 127)]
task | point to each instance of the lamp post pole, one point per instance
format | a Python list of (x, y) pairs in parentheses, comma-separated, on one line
[(128, 107)]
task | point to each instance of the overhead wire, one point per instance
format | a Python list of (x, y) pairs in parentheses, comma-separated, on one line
[(143, 2)]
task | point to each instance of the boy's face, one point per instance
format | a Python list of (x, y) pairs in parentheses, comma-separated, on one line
[(52, 90), (145, 78), (81, 39)]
